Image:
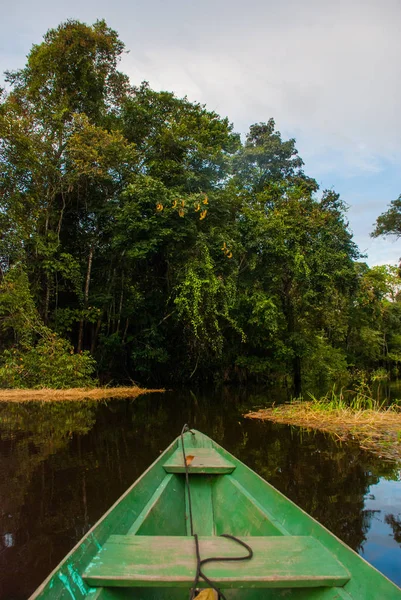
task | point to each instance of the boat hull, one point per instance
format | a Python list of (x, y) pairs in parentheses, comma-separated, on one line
[(227, 497)]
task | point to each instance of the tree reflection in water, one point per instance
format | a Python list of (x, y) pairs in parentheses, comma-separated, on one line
[(395, 524), (63, 464)]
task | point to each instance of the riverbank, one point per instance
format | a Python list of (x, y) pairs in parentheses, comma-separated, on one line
[(49, 395), (378, 431)]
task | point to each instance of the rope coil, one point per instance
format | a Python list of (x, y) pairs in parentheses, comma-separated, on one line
[(201, 562)]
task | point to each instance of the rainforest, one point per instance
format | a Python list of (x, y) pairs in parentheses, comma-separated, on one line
[(142, 239)]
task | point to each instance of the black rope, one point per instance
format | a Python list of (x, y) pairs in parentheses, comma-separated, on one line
[(199, 562), (184, 429)]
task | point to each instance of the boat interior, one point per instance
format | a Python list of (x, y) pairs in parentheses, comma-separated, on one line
[(161, 536), (143, 547)]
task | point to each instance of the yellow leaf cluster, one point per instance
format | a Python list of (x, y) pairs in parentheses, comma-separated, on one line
[(179, 204), (227, 251)]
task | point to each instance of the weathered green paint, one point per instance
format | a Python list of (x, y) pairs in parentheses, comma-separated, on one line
[(231, 594), (117, 520), (165, 511), (202, 505), (240, 503), (246, 515), (278, 561), (201, 461), (366, 582)]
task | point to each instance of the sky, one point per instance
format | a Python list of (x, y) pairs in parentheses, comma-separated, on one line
[(328, 72)]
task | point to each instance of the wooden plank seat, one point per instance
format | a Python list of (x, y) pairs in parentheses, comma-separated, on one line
[(200, 460), (169, 561)]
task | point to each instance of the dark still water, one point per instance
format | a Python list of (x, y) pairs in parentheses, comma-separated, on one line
[(63, 464)]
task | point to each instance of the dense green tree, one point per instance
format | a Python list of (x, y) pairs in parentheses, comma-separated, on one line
[(266, 159), (74, 70), (301, 269), (32, 355), (137, 226), (60, 166), (374, 319), (389, 223), (180, 143)]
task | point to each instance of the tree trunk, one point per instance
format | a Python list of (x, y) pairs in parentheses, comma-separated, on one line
[(297, 376), (120, 308), (47, 300), (96, 334), (125, 330), (86, 297), (61, 216)]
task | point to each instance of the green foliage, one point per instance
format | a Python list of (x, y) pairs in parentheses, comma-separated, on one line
[(325, 365), (19, 319), (97, 154), (266, 159), (72, 70), (363, 393), (51, 363), (181, 143), (32, 356), (374, 324), (139, 227), (389, 223), (203, 300), (354, 400)]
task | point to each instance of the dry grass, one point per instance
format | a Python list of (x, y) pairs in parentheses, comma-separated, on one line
[(376, 430), (48, 395)]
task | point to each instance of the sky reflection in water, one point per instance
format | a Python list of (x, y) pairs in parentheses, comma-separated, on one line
[(383, 540)]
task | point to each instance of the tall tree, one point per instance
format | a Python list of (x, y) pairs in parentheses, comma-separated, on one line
[(300, 257), (181, 143), (266, 159), (146, 232), (389, 222), (57, 158)]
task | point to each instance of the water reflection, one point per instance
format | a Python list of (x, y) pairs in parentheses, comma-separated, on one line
[(395, 523), (63, 464), (382, 546)]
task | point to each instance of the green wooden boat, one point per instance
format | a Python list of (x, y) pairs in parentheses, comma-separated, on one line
[(142, 547)]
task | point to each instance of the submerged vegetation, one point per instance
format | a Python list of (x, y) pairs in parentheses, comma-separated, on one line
[(348, 415), (143, 240), (78, 394), (377, 431)]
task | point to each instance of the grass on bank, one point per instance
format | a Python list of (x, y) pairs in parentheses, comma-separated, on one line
[(48, 395), (373, 426)]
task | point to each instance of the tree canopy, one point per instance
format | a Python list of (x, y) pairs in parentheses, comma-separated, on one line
[(143, 240), (389, 223)]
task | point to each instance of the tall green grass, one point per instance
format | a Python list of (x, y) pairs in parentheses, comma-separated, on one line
[(359, 397), (350, 399)]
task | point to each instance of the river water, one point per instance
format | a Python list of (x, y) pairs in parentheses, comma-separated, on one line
[(63, 464)]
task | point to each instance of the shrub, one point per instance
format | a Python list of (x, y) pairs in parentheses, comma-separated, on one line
[(50, 363)]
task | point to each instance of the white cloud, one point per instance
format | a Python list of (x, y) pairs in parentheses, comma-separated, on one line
[(327, 71)]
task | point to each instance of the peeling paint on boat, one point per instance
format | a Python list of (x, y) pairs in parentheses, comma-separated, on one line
[(237, 501), (64, 579), (77, 579), (94, 540)]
